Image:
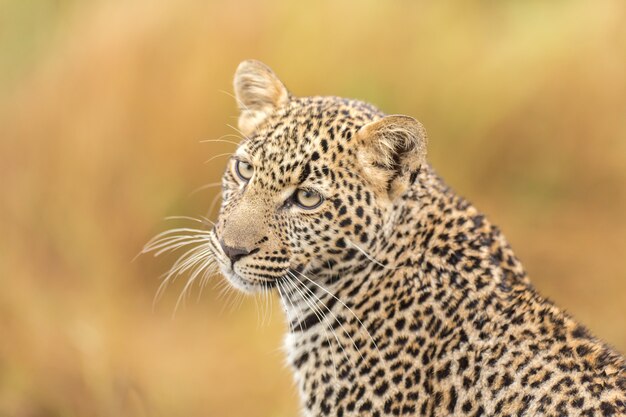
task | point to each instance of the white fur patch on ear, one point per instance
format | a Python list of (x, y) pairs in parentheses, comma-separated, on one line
[(259, 92), (393, 148)]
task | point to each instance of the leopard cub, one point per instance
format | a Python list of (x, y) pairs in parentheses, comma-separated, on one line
[(401, 298)]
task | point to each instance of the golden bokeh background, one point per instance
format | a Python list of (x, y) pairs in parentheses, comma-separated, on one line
[(103, 105)]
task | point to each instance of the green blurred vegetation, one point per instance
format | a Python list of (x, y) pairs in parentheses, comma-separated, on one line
[(103, 105)]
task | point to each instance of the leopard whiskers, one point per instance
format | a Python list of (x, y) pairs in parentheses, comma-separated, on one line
[(204, 187), (204, 280), (183, 264), (268, 302), (284, 295), (257, 309), (325, 328), (189, 261), (199, 260), (218, 156), (221, 139), (203, 220), (367, 255), (322, 318), (283, 299), (175, 242), (321, 287), (206, 268), (232, 298), (335, 318), (265, 302), (173, 239), (243, 136)]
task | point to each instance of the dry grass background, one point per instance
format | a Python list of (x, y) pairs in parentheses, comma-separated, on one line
[(103, 104)]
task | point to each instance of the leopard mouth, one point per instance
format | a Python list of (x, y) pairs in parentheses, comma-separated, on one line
[(246, 285), (243, 283), (238, 279)]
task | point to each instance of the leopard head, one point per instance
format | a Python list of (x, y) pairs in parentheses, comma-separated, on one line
[(312, 183)]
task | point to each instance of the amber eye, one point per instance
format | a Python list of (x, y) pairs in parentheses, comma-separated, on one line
[(308, 199), (244, 170)]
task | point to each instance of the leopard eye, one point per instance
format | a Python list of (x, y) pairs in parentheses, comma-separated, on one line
[(244, 170), (308, 199)]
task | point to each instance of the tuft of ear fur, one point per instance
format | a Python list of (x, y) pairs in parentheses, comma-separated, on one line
[(392, 150), (258, 92)]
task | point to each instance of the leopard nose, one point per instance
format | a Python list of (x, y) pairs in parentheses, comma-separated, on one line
[(234, 253)]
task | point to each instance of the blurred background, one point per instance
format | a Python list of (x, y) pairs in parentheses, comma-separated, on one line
[(103, 105)]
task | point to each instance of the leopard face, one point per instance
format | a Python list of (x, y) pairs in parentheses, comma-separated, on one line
[(310, 186)]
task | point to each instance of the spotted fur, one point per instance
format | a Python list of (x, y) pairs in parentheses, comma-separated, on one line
[(402, 298)]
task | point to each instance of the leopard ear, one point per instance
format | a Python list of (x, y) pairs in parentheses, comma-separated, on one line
[(258, 92), (392, 150)]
